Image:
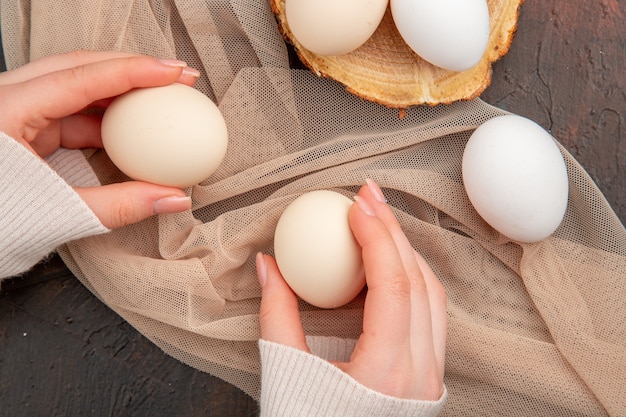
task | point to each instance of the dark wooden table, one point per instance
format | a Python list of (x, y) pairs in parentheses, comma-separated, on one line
[(63, 353)]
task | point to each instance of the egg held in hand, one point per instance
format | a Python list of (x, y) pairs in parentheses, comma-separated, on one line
[(316, 252), (172, 135), (451, 34), (516, 178), (333, 27)]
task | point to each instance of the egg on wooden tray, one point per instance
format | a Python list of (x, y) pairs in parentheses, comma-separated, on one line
[(332, 27), (401, 52), (172, 135), (516, 178), (316, 252), (451, 34)]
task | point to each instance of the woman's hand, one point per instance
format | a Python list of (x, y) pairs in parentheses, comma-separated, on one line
[(401, 350), (42, 103)]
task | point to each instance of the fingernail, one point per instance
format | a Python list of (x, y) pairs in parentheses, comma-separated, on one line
[(364, 206), (172, 204), (192, 72), (173, 63), (375, 190), (261, 269)]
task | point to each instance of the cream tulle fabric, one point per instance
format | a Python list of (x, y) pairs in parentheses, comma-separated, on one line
[(535, 329)]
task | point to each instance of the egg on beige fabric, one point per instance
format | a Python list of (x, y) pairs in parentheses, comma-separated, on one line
[(516, 178), (316, 252), (172, 135)]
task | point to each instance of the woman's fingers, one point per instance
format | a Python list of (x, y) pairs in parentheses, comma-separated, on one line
[(421, 324), (386, 321), (428, 293), (80, 131), (438, 311), (72, 132), (121, 204), (73, 82), (59, 62), (372, 192), (398, 307), (78, 58), (64, 92), (412, 267), (279, 315)]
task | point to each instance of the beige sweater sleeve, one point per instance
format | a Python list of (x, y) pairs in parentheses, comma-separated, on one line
[(39, 210), (296, 383)]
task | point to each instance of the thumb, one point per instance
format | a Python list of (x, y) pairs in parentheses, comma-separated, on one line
[(279, 316), (121, 204)]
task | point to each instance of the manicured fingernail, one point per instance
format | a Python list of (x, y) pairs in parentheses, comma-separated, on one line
[(261, 269), (172, 204), (375, 190), (364, 206), (192, 72), (173, 63)]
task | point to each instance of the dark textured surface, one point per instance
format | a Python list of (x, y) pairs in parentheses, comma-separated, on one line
[(567, 71), (63, 353)]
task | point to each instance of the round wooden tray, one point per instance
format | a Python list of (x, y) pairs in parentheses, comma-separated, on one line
[(385, 70)]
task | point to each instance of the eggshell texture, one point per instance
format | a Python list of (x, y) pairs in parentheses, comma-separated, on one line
[(451, 34), (172, 135), (334, 27), (516, 178), (316, 251)]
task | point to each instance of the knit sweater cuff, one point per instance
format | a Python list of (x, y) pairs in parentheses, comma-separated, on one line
[(296, 383), (39, 210)]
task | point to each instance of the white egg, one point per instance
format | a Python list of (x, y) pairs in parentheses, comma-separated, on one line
[(316, 252), (172, 135), (516, 178), (451, 34), (333, 27)]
